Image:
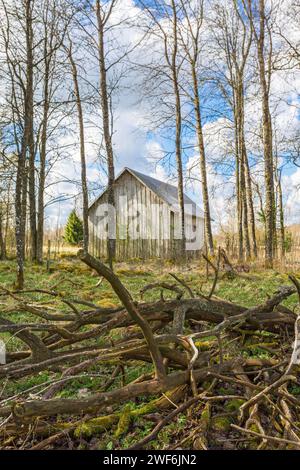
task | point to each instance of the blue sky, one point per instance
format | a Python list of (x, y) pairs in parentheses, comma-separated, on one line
[(140, 144)]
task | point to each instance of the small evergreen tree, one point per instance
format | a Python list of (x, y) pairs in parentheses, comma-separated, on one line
[(73, 229)]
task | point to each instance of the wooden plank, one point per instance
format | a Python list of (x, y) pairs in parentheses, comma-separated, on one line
[(154, 238)]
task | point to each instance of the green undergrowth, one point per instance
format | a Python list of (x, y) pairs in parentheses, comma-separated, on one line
[(70, 279)]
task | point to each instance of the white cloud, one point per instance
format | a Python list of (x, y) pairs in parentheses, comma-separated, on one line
[(136, 142), (292, 196), (135, 147)]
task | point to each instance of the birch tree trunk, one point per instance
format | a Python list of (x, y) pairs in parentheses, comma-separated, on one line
[(281, 217), (239, 204), (52, 39), (250, 205), (42, 173), (29, 117), (178, 150), (84, 187), (265, 77), (2, 238), (242, 157), (111, 244), (235, 38), (205, 195), (22, 172), (279, 206)]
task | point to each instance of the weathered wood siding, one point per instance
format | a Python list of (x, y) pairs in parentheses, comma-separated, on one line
[(152, 230)]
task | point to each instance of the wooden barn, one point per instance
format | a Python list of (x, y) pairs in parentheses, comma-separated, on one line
[(147, 219)]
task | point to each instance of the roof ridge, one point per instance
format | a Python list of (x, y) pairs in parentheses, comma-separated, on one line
[(149, 176), (167, 186), (165, 191)]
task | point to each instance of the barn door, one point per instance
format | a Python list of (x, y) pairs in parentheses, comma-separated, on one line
[(194, 229)]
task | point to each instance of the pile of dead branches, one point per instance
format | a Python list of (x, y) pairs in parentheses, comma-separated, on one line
[(196, 344)]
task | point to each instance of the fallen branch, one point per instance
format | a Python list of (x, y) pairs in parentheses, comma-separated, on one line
[(264, 436)]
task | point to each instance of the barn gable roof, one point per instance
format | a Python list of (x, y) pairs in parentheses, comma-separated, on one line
[(165, 191)]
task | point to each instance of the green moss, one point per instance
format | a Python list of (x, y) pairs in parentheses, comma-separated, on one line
[(226, 391), (294, 390), (255, 442), (205, 345), (254, 427), (106, 303), (123, 418), (220, 423), (96, 425), (205, 416), (143, 410), (234, 404), (124, 421), (132, 272)]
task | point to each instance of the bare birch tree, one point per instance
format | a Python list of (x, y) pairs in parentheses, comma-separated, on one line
[(260, 22), (98, 24), (53, 26), (192, 25), (164, 25), (234, 38), (84, 186), (19, 74), (102, 17)]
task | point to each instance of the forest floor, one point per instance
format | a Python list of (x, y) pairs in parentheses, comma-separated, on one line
[(71, 279)]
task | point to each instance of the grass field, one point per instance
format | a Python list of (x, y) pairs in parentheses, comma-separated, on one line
[(70, 277)]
